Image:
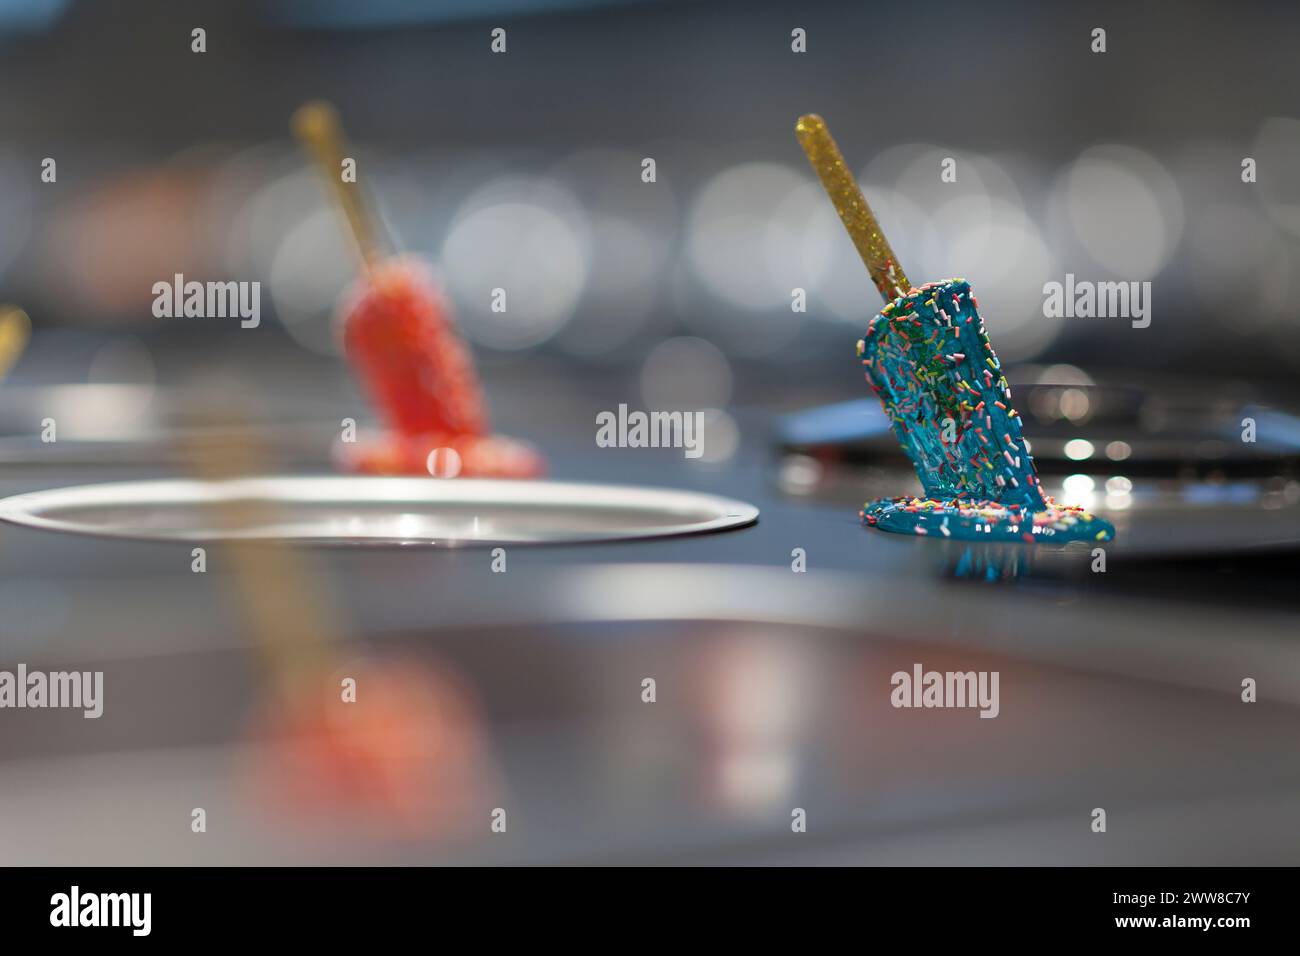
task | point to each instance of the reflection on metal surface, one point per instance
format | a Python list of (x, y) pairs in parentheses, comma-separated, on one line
[(774, 694), (377, 511), (395, 745), (754, 694), (991, 563), (407, 756)]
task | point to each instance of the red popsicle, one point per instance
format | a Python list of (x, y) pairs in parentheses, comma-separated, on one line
[(399, 337), (401, 341)]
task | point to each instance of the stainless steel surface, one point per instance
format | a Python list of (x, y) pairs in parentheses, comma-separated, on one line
[(774, 692), (377, 511)]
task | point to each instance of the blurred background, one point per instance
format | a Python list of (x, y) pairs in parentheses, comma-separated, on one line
[(1117, 166), (523, 171)]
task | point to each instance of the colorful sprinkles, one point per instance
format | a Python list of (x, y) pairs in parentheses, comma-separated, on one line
[(985, 520), (929, 360)]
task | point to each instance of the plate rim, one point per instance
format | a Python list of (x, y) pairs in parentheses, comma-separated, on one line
[(30, 509)]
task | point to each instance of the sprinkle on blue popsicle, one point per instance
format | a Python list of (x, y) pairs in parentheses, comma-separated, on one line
[(928, 358)]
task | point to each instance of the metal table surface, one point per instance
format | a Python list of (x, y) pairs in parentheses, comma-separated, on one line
[(1119, 690)]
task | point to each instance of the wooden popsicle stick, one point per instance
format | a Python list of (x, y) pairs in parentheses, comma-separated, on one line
[(317, 126)]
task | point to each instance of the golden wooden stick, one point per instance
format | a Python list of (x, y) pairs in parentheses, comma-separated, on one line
[(849, 202), (15, 330), (316, 125)]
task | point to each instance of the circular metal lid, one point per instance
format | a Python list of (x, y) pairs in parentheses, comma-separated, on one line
[(354, 511)]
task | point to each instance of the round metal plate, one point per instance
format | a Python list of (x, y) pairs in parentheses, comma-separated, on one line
[(375, 511)]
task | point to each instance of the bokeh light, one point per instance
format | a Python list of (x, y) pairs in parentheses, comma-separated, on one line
[(1125, 209), (527, 237), (1276, 150), (685, 373)]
